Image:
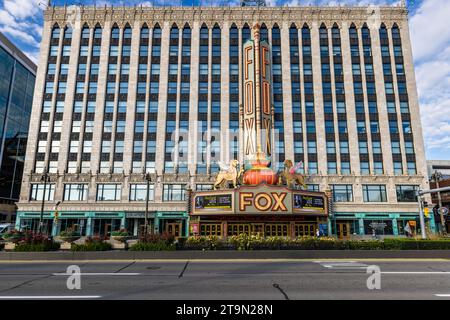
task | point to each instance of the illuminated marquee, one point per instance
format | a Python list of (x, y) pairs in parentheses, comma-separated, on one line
[(262, 199)]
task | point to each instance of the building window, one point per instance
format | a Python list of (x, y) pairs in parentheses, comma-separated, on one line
[(407, 193), (75, 192), (37, 192), (203, 187), (411, 168), (398, 168), (138, 192), (332, 167), (345, 167), (174, 192), (365, 168), (342, 193), (374, 193), (344, 147), (313, 187), (109, 192)]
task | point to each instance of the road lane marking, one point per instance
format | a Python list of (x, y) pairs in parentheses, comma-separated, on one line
[(342, 265), (98, 274), (442, 295), (176, 260), (49, 297), (415, 272)]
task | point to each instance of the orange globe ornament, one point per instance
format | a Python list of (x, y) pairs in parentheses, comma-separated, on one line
[(260, 171)]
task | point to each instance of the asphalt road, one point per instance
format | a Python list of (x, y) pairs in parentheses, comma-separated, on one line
[(236, 280)]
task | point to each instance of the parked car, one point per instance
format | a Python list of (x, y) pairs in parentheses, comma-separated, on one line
[(5, 228)]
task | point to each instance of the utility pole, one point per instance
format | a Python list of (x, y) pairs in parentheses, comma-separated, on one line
[(421, 193), (436, 177)]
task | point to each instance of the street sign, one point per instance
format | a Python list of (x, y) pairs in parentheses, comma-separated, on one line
[(444, 210)]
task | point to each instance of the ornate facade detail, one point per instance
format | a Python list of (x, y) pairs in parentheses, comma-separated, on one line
[(237, 15)]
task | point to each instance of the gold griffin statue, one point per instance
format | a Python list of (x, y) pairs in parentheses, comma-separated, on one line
[(228, 173), (290, 178)]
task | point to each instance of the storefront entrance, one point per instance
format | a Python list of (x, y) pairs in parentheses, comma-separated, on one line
[(343, 230), (281, 229), (305, 230), (174, 228)]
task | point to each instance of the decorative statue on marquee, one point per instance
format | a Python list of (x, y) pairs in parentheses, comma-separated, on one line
[(228, 174), (290, 177)]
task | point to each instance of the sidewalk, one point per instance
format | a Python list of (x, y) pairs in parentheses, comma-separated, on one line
[(224, 255)]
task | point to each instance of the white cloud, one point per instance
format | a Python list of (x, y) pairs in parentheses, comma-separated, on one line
[(429, 28), (22, 9), (430, 39)]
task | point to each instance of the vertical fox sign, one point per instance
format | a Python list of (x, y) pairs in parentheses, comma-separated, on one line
[(257, 118)]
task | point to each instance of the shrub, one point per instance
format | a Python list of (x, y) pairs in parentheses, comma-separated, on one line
[(120, 233), (155, 242), (202, 243), (36, 242), (152, 246), (164, 237), (92, 244), (416, 244), (14, 236), (69, 233)]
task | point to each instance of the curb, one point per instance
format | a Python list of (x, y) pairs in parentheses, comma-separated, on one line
[(225, 255)]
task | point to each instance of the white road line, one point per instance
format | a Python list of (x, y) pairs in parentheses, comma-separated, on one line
[(49, 297), (442, 295), (98, 274), (342, 265), (415, 272)]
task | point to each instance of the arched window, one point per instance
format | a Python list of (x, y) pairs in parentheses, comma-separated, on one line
[(127, 32), (365, 32), (323, 32), (115, 32), (234, 32), (216, 32), (306, 33), (98, 32), (395, 32), (187, 31), (276, 32), (68, 33), (157, 32), (85, 32), (204, 34), (383, 32), (264, 34), (174, 32), (56, 32), (293, 33), (335, 32), (145, 32), (246, 33), (353, 32)]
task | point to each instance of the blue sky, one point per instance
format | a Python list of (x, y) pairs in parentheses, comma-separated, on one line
[(21, 21)]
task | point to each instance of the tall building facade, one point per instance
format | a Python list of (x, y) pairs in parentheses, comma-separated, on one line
[(129, 97), (18, 74)]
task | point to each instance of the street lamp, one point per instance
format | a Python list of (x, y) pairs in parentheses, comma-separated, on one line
[(46, 178), (148, 178), (436, 177)]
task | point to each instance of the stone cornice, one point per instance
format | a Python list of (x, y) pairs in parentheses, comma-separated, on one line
[(283, 16)]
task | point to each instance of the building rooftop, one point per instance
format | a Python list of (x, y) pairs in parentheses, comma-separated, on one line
[(6, 44)]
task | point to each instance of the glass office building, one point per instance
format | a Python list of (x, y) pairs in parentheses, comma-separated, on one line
[(17, 77)]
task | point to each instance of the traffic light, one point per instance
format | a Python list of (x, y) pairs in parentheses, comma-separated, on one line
[(426, 212)]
